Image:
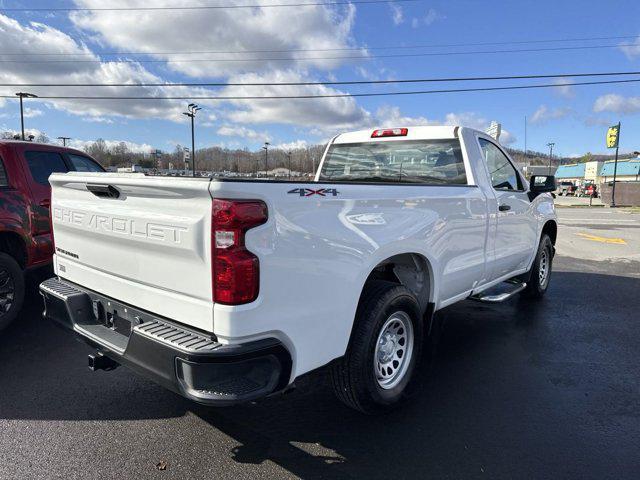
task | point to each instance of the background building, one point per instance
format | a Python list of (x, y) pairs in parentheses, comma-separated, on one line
[(573, 173), (628, 171)]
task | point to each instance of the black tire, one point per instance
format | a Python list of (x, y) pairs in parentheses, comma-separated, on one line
[(354, 376), (536, 286), (11, 289)]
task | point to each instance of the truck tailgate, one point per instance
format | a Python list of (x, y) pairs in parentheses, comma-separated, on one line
[(150, 247)]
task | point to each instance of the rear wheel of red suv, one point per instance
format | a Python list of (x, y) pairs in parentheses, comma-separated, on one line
[(11, 289)]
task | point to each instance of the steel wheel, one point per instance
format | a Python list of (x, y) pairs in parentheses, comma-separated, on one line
[(7, 291), (543, 269), (394, 348)]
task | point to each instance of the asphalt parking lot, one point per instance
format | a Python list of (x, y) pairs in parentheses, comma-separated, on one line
[(517, 390)]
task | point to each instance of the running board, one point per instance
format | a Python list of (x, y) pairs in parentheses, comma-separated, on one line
[(499, 297)]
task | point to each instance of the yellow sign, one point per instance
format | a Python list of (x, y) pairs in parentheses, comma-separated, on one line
[(594, 238), (612, 136)]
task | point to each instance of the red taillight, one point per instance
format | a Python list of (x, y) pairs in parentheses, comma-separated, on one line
[(390, 132), (236, 272)]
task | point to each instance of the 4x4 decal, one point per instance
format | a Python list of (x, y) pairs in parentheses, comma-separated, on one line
[(309, 192)]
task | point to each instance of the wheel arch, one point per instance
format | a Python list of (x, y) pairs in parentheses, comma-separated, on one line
[(412, 270), (13, 244), (550, 228)]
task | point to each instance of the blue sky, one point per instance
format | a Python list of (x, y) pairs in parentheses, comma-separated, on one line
[(575, 118)]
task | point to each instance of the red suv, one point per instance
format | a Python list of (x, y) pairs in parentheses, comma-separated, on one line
[(25, 197)]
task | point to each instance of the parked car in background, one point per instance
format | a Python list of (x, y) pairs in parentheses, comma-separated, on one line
[(228, 290), (565, 188), (590, 190), (25, 197)]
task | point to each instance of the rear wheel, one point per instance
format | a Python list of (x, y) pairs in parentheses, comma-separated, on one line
[(11, 289), (377, 372), (540, 273)]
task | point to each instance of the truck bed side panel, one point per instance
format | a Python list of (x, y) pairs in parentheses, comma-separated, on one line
[(316, 252)]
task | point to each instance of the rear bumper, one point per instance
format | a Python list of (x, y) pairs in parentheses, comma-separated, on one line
[(184, 360)]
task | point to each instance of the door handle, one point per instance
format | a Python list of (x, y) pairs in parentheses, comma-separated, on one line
[(46, 203), (105, 191), (504, 208)]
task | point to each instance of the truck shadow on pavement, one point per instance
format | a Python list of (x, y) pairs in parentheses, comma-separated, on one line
[(517, 389)]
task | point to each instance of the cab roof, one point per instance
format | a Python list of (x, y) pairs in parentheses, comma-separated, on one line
[(416, 132)]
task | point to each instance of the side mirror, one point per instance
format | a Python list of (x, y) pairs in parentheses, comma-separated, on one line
[(541, 184)]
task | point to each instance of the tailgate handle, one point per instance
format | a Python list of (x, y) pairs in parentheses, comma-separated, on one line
[(105, 191)]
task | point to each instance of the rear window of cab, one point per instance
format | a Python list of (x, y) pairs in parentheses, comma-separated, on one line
[(433, 162)]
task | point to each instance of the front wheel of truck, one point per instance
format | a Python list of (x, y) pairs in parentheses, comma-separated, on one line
[(540, 273), (377, 372), (11, 289)]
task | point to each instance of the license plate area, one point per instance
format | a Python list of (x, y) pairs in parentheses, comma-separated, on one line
[(111, 322)]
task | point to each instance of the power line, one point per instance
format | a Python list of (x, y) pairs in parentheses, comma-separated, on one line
[(346, 82), (337, 49), (342, 57), (337, 95), (198, 7)]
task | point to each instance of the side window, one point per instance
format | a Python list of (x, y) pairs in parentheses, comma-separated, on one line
[(84, 164), (503, 174), (4, 181), (43, 164)]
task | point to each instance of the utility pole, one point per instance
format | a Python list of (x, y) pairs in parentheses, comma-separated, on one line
[(64, 140), (550, 145), (266, 159), (22, 95), (192, 108), (289, 154)]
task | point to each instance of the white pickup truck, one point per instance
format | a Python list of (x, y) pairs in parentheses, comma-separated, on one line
[(226, 291)]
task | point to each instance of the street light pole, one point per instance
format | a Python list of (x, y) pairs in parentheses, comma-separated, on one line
[(550, 145), (64, 140), (193, 146), (192, 108), (22, 95)]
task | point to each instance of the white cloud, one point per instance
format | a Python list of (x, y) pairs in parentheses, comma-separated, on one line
[(397, 14), (295, 145), (325, 114), (544, 114), (10, 132), (565, 90), (98, 120), (273, 31), (32, 112), (429, 18), (243, 132), (131, 146), (390, 116), (615, 103), (631, 49), (36, 38)]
